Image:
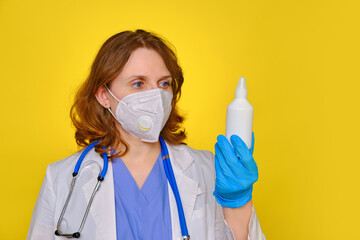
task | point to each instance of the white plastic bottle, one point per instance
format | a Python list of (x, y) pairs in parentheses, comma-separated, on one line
[(239, 115)]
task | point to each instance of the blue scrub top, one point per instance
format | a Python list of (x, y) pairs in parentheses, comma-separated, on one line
[(141, 214)]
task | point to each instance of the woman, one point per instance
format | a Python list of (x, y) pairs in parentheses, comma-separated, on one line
[(128, 105)]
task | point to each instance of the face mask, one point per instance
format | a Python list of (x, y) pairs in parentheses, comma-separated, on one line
[(143, 114)]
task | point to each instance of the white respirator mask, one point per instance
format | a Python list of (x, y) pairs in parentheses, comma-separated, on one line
[(143, 114)]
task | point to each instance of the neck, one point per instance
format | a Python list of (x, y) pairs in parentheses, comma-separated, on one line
[(138, 151)]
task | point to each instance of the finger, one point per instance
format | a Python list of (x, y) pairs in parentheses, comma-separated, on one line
[(227, 150), (252, 144), (246, 159), (250, 165), (218, 168), (240, 147), (221, 160)]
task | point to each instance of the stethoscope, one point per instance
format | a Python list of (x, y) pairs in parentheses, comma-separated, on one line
[(169, 174)]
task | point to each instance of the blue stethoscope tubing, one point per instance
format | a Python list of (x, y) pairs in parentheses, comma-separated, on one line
[(171, 178), (169, 174), (74, 174), (82, 156)]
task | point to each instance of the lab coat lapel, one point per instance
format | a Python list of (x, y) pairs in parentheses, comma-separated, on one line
[(102, 209), (188, 188)]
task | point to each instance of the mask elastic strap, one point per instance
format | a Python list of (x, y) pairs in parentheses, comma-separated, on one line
[(109, 107), (111, 93), (113, 114)]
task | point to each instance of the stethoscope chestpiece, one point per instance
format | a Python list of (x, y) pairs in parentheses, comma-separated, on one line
[(186, 237), (74, 235)]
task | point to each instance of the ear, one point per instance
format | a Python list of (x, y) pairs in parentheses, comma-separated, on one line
[(102, 97)]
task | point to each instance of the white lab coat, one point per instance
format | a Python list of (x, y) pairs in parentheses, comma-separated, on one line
[(195, 176)]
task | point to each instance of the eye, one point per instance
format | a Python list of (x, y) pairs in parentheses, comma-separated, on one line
[(165, 84), (137, 84)]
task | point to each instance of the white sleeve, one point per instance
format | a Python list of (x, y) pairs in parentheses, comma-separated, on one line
[(42, 221), (255, 232), (222, 230)]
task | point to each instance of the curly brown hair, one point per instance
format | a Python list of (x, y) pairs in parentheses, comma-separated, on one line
[(92, 121)]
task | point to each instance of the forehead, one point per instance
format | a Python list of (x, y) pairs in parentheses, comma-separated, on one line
[(146, 62)]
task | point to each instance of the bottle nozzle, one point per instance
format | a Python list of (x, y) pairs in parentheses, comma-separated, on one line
[(241, 90)]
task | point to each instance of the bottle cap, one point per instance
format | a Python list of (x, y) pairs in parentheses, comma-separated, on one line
[(241, 90)]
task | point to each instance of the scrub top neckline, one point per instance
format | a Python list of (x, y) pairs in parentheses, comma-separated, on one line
[(147, 190), (142, 213)]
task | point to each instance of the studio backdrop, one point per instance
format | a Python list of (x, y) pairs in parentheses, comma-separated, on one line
[(301, 64)]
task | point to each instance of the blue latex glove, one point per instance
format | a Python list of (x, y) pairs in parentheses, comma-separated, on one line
[(236, 171)]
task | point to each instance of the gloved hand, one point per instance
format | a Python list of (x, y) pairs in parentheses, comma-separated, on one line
[(236, 171)]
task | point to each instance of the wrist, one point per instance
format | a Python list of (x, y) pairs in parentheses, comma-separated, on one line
[(232, 200), (238, 219)]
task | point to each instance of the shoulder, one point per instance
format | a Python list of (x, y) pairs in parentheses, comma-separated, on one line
[(64, 166), (71, 160), (200, 158), (201, 154), (59, 173)]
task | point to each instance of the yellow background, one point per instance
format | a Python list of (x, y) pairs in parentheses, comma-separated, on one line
[(301, 63)]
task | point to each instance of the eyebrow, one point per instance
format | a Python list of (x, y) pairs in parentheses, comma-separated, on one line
[(144, 77)]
